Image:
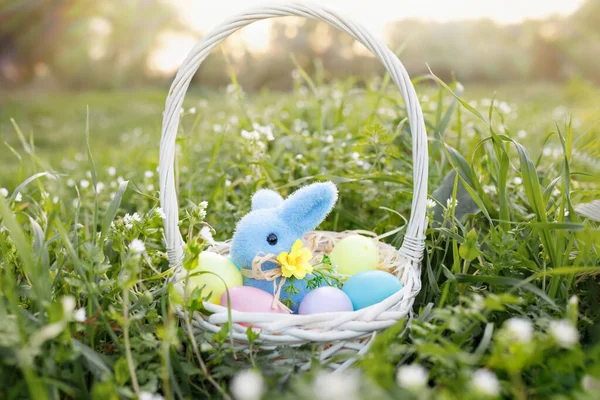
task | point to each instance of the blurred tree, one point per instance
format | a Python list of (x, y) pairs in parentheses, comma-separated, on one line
[(81, 43), (588, 17), (108, 43)]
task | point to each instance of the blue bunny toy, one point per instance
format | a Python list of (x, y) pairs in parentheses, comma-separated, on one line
[(274, 224)]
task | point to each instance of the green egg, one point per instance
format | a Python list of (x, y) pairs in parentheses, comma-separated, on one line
[(219, 265), (355, 254)]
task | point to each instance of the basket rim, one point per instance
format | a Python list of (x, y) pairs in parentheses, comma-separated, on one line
[(375, 317)]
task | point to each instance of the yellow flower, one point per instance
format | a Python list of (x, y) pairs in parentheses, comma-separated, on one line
[(296, 262)]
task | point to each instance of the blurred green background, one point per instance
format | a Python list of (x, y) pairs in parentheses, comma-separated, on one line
[(78, 45)]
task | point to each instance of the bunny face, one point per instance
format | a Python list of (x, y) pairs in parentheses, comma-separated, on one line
[(275, 224)]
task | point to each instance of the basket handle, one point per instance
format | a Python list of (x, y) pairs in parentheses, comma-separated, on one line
[(413, 245)]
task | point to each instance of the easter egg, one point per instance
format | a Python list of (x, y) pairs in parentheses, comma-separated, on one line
[(219, 265), (323, 300), (370, 287), (249, 299), (354, 254)]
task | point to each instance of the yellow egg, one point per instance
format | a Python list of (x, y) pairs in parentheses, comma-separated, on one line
[(355, 254), (219, 265)]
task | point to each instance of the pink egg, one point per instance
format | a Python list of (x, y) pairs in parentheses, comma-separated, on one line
[(325, 299), (250, 299)]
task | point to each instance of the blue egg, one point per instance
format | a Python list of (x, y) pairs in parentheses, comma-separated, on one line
[(370, 287)]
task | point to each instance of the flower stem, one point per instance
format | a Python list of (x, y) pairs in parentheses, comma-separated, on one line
[(128, 355)]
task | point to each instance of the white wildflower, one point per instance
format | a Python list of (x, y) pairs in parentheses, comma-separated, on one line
[(68, 304), (559, 112), (120, 180), (517, 180), (192, 110), (18, 197), (431, 204), (206, 234), (451, 202), (486, 382), (412, 376), (84, 183), (159, 211), (100, 187), (266, 131), (489, 189), (556, 153), (3, 192), (299, 156), (218, 128), (148, 174), (55, 199), (137, 246), (519, 329), (478, 303), (149, 396), (112, 171), (254, 135), (504, 107), (329, 139), (227, 182), (336, 386), (150, 187), (247, 385), (80, 315), (521, 134), (70, 183), (129, 219), (590, 383), (261, 145), (565, 334), (355, 156), (574, 300), (231, 89)]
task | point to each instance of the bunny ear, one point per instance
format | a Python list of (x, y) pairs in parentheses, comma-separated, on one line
[(265, 198), (307, 207)]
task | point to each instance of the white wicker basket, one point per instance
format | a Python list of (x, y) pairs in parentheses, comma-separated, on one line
[(334, 332)]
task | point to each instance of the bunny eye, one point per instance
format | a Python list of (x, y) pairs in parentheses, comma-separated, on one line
[(272, 239)]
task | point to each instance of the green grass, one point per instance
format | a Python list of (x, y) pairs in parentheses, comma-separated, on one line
[(512, 247)]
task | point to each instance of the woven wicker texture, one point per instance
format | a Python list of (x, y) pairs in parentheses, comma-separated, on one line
[(339, 332)]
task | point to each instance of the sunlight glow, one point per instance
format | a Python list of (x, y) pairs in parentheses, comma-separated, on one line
[(256, 36), (374, 14), (170, 53)]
